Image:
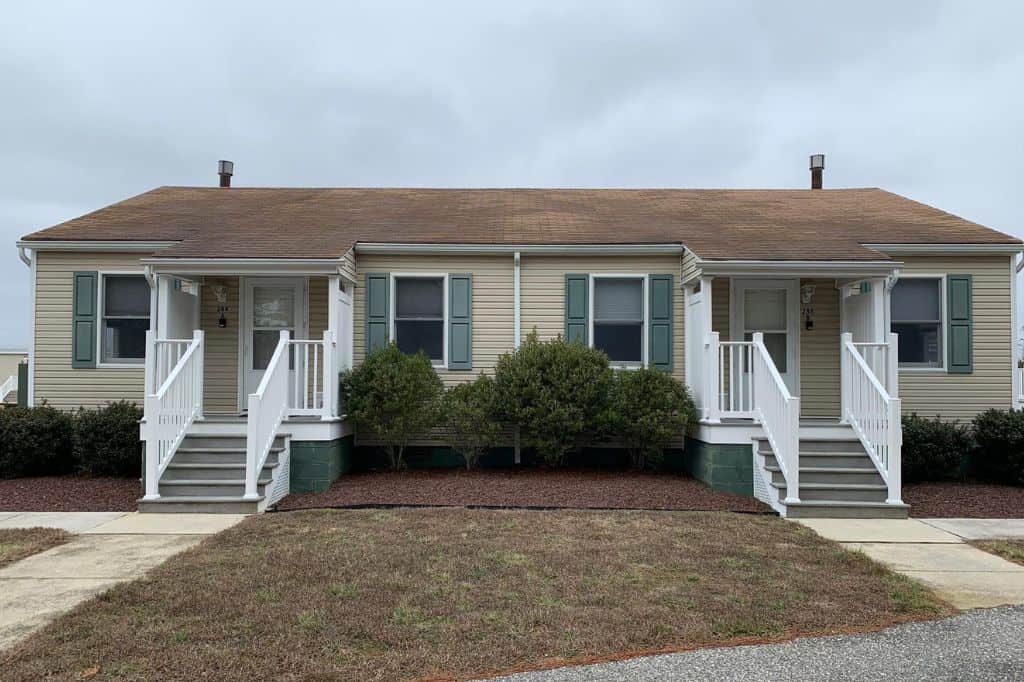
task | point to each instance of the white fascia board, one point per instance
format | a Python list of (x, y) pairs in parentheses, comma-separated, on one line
[(68, 245), (816, 268), (525, 249), (244, 266), (947, 249)]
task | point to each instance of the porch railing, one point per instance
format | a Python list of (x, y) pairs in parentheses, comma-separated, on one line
[(874, 411), (267, 409), (779, 415), (315, 388), (165, 357), (735, 381), (8, 387), (171, 409)]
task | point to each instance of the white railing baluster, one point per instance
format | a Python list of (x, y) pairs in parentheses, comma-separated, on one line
[(873, 409), (174, 403), (736, 387)]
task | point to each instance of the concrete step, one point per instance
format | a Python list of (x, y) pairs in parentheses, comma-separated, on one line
[(846, 510), (837, 475), (209, 488), (211, 471), (200, 505), (830, 492)]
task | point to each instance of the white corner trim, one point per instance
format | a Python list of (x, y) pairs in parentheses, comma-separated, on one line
[(529, 249), (947, 249), (32, 333), (83, 245), (517, 300)]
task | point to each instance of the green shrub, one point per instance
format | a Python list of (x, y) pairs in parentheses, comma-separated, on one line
[(999, 456), (393, 396), (554, 392), (107, 440), (35, 441), (469, 417), (933, 450), (648, 411)]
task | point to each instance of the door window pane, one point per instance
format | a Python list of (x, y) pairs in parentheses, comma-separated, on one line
[(273, 307), (619, 318), (775, 344), (264, 343), (764, 309), (419, 316), (916, 309)]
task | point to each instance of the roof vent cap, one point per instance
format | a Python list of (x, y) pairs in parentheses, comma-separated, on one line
[(225, 169), (817, 168)]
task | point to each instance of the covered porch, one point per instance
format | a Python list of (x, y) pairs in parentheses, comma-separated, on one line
[(250, 355)]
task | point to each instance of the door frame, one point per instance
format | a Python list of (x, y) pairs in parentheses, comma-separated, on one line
[(792, 287), (245, 321)]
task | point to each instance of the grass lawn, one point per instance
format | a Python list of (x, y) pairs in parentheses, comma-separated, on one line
[(446, 594), (18, 543), (1011, 550)]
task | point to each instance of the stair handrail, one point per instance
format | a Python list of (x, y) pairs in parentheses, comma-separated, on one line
[(778, 412), (10, 385), (171, 409), (873, 412), (267, 409)]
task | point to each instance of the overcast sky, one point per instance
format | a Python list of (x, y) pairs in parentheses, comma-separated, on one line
[(103, 100)]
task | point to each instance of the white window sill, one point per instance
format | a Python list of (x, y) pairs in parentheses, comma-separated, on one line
[(120, 365), (923, 370)]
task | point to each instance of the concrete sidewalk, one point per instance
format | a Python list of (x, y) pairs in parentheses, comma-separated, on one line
[(110, 548), (935, 552)]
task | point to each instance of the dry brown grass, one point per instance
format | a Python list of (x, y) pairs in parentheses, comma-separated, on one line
[(18, 543), (1011, 550), (455, 593)]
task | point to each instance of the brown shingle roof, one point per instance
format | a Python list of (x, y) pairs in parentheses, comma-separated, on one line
[(716, 224)]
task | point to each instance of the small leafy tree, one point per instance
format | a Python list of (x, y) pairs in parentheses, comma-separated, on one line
[(395, 396), (469, 416), (554, 392), (648, 410)]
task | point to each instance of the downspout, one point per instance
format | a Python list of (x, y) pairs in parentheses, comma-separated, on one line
[(518, 334)]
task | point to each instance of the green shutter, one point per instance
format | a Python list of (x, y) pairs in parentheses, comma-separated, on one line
[(83, 320), (659, 326), (378, 309), (460, 322), (577, 309), (961, 360)]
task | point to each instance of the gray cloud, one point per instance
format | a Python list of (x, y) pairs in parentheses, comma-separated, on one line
[(105, 100)]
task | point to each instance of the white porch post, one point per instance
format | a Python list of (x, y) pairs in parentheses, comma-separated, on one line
[(844, 376), (895, 444), (331, 336), (712, 387), (892, 365), (198, 339), (151, 444), (879, 299)]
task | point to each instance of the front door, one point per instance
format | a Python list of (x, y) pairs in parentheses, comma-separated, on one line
[(772, 308), (271, 305)]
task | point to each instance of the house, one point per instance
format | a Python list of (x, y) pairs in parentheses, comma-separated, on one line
[(804, 321), (10, 361)]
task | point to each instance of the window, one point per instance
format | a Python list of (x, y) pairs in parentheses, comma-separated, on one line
[(419, 316), (125, 319), (916, 310), (619, 318)]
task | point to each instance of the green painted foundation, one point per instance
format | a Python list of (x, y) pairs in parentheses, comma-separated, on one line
[(314, 465), (725, 467)]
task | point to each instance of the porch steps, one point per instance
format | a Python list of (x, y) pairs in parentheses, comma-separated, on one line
[(837, 478), (207, 475)]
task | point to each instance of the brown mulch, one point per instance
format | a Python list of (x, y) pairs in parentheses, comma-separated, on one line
[(69, 493), (564, 489), (964, 500)]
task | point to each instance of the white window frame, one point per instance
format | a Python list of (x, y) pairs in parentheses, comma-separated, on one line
[(644, 278), (443, 276), (101, 287), (941, 368)]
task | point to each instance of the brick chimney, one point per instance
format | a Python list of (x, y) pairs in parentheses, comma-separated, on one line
[(817, 167), (225, 169)]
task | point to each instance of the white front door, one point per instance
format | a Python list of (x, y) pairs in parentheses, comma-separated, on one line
[(771, 307), (271, 305)]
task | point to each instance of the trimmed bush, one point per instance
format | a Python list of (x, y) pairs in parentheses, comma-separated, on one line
[(648, 411), (933, 450), (36, 441), (107, 440), (999, 456), (469, 417), (555, 392), (393, 396)]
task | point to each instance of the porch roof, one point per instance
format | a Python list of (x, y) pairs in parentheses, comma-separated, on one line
[(716, 224)]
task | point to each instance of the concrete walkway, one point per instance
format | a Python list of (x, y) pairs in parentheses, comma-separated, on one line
[(935, 552), (109, 548)]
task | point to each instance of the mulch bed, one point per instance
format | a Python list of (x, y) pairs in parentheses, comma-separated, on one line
[(69, 493), (565, 489), (964, 500)]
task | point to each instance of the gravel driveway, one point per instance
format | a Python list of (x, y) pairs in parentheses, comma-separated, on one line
[(977, 645)]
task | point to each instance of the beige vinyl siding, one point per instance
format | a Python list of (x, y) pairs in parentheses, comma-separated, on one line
[(960, 396), (220, 362), (493, 315), (819, 352), (689, 265), (543, 292), (348, 265), (56, 382)]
